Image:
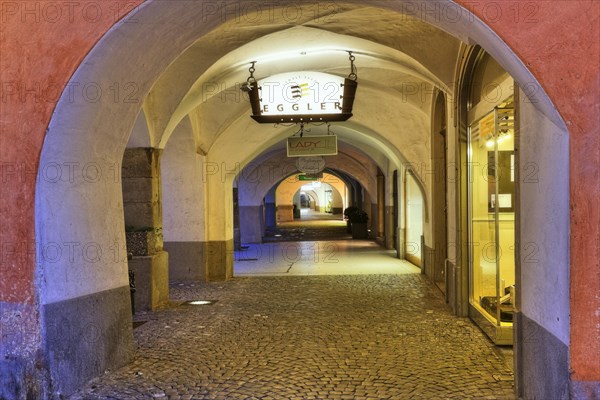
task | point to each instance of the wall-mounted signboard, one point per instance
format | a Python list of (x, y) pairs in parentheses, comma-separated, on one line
[(312, 146), (304, 96), (310, 177), (310, 165)]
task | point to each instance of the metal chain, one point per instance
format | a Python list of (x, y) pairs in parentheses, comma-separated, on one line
[(353, 71), (251, 78)]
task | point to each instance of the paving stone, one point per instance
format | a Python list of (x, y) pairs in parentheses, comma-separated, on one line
[(326, 337)]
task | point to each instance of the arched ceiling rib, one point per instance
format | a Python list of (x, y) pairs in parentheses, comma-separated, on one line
[(272, 166), (393, 51), (408, 127), (401, 62)]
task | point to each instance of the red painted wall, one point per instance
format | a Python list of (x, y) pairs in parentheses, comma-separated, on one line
[(41, 45), (43, 42), (559, 41)]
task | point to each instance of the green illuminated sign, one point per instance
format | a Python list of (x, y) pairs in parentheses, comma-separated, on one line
[(308, 177)]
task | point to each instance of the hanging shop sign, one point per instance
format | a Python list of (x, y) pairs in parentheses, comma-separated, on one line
[(312, 146), (301, 96), (310, 165)]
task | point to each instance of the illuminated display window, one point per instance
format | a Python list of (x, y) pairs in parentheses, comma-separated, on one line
[(492, 188)]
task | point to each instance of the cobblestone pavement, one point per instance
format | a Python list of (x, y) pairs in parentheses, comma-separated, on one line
[(308, 337)]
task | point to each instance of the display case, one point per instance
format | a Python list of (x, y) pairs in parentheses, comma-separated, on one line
[(492, 185)]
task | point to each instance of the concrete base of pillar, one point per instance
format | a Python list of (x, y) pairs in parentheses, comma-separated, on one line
[(542, 362), (186, 261), (389, 227), (85, 336), (20, 379), (251, 224), (427, 259), (401, 243), (21, 375), (450, 287), (285, 213), (151, 280), (219, 260), (270, 215), (199, 261), (585, 390), (376, 232)]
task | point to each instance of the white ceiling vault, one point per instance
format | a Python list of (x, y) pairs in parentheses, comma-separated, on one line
[(401, 61)]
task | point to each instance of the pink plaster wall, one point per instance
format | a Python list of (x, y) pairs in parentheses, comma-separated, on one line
[(41, 45), (557, 40)]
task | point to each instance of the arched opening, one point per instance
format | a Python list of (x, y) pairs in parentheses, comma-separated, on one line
[(492, 198), (93, 212), (415, 213), (257, 183), (308, 200)]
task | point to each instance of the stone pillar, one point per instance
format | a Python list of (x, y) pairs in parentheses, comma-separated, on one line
[(183, 205), (237, 234), (219, 246), (285, 213), (380, 227), (389, 224), (374, 209), (270, 209), (389, 227), (270, 215), (143, 226), (251, 224)]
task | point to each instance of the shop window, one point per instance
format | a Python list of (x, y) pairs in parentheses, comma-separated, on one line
[(492, 186)]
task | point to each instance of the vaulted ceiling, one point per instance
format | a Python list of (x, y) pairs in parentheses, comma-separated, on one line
[(401, 62)]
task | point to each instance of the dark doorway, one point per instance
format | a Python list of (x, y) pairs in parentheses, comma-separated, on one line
[(396, 210), (440, 206)]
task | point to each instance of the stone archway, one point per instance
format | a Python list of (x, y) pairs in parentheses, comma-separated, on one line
[(287, 189), (69, 148)]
